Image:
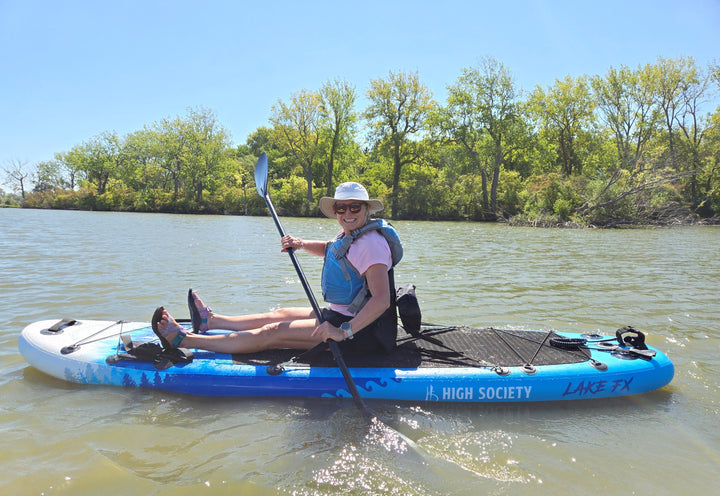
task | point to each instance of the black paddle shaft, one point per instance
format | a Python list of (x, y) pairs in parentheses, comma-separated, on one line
[(296, 263)]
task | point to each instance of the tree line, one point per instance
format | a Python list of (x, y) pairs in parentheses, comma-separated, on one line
[(635, 145)]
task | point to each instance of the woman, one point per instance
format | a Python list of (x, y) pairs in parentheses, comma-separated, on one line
[(361, 315)]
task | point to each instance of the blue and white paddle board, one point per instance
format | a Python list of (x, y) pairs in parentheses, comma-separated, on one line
[(95, 352)]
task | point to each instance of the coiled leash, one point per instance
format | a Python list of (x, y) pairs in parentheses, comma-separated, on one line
[(630, 341)]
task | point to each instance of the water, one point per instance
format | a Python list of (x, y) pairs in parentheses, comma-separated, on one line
[(58, 438)]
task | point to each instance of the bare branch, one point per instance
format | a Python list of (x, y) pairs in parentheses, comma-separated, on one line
[(16, 174)]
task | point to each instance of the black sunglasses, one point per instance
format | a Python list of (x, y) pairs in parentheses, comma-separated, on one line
[(340, 208)]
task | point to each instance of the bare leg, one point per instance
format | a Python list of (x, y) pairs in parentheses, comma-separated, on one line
[(296, 334), (258, 320), (251, 321)]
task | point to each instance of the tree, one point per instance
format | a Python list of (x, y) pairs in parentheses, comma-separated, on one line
[(241, 177), (299, 122), (565, 112), (70, 164), (399, 107), (673, 79), (693, 126), (482, 115), (16, 174), (174, 147), (142, 168), (709, 176), (260, 141), (48, 176), (100, 159), (458, 124), (337, 102), (190, 150), (627, 102), (207, 142)]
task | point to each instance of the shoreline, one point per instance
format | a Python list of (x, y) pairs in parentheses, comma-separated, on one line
[(547, 223)]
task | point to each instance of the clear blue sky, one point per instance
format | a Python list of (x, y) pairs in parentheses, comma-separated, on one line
[(70, 70)]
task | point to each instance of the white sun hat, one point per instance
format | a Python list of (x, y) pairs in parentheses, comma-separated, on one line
[(349, 191)]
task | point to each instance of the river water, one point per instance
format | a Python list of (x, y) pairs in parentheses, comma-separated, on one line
[(58, 438)]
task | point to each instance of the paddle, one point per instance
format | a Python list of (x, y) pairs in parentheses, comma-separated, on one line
[(261, 174)]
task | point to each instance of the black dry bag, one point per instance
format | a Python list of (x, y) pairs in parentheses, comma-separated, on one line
[(409, 309)]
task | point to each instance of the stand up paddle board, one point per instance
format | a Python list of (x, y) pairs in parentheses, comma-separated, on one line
[(443, 364)]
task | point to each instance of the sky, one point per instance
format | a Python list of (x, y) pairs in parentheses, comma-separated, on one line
[(72, 69)]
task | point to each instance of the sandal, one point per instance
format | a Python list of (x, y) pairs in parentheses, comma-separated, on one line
[(199, 313), (172, 326)]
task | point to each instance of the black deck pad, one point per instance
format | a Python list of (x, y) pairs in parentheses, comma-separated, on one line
[(447, 347)]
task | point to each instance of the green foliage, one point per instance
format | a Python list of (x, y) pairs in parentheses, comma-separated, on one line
[(629, 146), (426, 195), (483, 118), (606, 212), (290, 196), (10, 200), (552, 197), (542, 193), (564, 114), (511, 199), (467, 201), (397, 116), (5, 200)]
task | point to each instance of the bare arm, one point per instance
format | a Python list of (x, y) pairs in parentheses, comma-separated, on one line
[(311, 246)]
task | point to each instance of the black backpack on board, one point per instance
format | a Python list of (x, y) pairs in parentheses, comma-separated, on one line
[(409, 309)]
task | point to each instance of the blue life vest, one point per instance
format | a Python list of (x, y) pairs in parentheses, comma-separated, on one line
[(341, 283)]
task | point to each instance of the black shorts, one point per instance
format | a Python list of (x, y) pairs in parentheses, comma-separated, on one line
[(379, 336)]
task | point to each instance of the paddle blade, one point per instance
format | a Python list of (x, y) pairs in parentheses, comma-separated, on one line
[(261, 174)]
